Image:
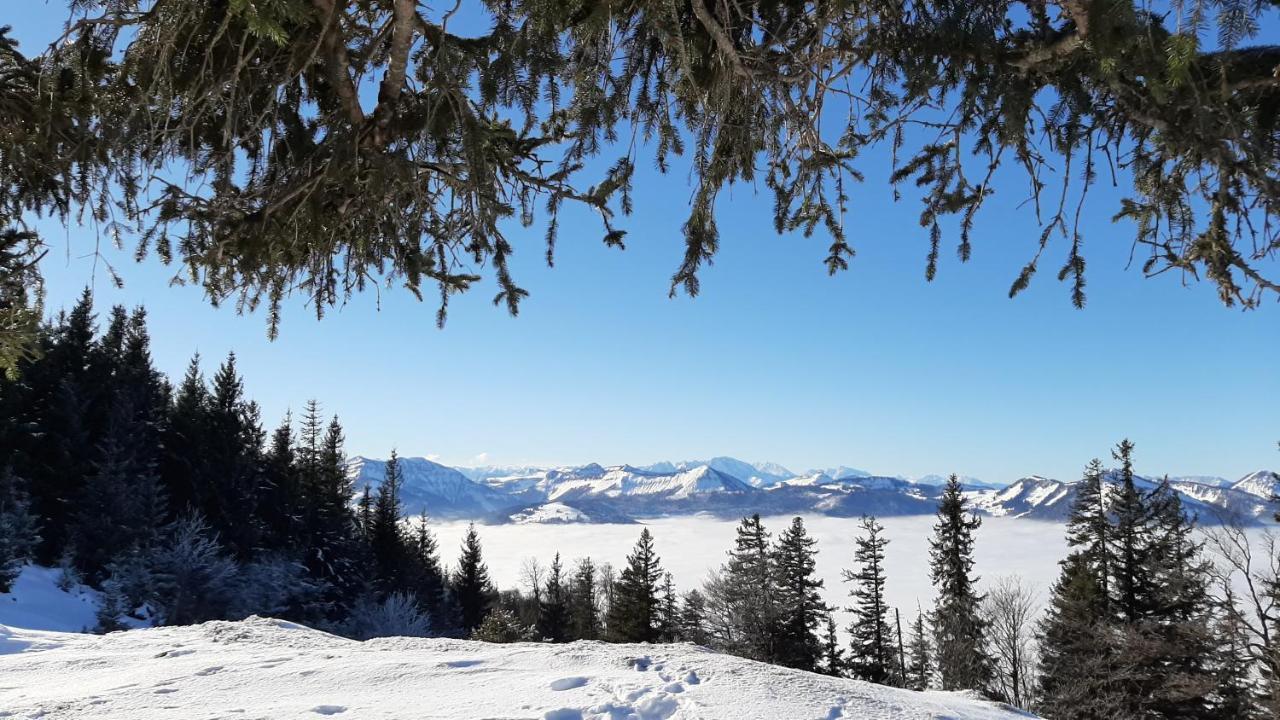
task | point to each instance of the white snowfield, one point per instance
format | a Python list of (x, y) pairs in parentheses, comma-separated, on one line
[(270, 669)]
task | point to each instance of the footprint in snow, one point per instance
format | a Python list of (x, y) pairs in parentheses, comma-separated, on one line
[(640, 663), (328, 709), (164, 690), (568, 683), (692, 678), (210, 670), (463, 663)]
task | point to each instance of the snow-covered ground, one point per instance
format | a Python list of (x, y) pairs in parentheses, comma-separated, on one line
[(36, 602), (262, 668), (691, 546)]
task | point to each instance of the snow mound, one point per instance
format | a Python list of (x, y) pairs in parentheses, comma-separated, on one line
[(266, 668), (36, 602)]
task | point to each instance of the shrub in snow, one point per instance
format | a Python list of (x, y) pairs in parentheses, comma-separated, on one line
[(398, 615), (194, 580), (275, 586), (68, 576), (500, 626), (127, 592)]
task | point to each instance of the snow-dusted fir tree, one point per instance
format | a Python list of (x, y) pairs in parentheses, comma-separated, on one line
[(801, 610), (958, 626), (471, 585), (633, 613), (388, 545), (872, 655)]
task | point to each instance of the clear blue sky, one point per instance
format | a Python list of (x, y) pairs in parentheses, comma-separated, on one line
[(873, 368)]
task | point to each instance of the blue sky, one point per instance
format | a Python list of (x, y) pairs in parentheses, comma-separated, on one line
[(873, 368)]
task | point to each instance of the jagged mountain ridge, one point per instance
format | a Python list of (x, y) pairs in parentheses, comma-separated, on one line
[(621, 493)]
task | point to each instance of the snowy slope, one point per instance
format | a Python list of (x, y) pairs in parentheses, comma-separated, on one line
[(760, 475), (35, 601), (1263, 484), (550, 513), (261, 668)]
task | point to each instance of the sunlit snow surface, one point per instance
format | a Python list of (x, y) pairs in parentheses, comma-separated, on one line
[(261, 668)]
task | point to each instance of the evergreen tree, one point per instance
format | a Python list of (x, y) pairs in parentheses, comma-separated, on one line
[(432, 590), (554, 621), (19, 529), (121, 504), (1080, 677), (471, 584), (669, 611), (872, 653), (387, 542), (633, 613), (833, 659), (499, 626), (184, 464), (957, 622), (801, 610), (693, 618), (233, 453), (747, 592), (919, 668), (1235, 693), (584, 609), (280, 503)]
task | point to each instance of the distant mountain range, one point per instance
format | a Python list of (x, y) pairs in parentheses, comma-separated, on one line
[(728, 487)]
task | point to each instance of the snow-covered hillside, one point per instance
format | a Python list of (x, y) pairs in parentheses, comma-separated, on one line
[(262, 668)]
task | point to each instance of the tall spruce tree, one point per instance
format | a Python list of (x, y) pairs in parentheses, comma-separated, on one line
[(554, 621), (387, 542), (693, 618), (19, 528), (471, 585), (799, 597), (872, 650), (584, 609), (748, 592), (957, 622), (633, 613)]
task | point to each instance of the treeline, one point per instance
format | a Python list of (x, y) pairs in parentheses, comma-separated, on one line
[(180, 506)]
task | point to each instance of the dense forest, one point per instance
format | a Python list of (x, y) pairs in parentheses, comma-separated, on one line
[(178, 504)]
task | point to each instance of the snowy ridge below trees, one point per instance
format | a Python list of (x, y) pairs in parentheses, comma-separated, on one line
[(261, 667), (595, 493)]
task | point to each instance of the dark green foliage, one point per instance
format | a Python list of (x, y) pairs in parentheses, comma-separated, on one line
[(873, 652), (279, 173), (799, 597), (633, 614), (584, 608), (1130, 627), (957, 622), (834, 662), (554, 621), (693, 618), (748, 595), (470, 584), (669, 611), (19, 529), (919, 669), (390, 548)]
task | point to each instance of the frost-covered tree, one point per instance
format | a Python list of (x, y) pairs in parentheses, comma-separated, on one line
[(396, 615), (195, 579), (500, 626)]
